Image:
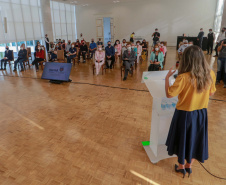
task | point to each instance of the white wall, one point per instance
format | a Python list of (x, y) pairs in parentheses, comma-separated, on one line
[(172, 17)]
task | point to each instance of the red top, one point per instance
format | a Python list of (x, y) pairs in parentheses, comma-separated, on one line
[(40, 54)]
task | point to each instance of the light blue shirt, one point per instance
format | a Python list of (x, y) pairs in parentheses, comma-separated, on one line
[(182, 48)]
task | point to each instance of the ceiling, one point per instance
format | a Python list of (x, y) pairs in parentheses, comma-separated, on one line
[(93, 2)]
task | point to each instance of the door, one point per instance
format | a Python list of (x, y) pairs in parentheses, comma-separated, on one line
[(100, 28)]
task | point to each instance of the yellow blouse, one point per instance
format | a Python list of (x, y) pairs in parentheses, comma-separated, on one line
[(188, 98)]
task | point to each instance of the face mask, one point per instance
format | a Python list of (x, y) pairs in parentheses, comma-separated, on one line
[(156, 49), (138, 44), (117, 43), (100, 49), (7, 48), (38, 47), (132, 47), (129, 48), (92, 41), (21, 48), (185, 45), (72, 46), (201, 30), (109, 44), (69, 43)]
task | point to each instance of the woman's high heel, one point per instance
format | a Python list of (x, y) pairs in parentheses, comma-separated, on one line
[(183, 171), (189, 171)]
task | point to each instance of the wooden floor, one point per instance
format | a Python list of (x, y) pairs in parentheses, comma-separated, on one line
[(86, 133)]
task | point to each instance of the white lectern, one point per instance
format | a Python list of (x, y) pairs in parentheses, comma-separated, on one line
[(162, 112)]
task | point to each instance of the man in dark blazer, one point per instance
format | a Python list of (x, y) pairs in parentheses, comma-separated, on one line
[(8, 57), (22, 56), (200, 38), (128, 57)]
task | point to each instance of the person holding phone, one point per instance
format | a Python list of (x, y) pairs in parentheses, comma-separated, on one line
[(221, 63), (188, 133), (156, 59)]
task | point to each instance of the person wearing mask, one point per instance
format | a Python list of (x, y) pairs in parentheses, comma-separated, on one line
[(72, 53), (200, 37), (68, 46), (59, 46), (22, 56), (145, 46), (183, 47), (156, 59), (63, 45), (99, 42), (124, 45), (8, 57), (110, 55), (221, 63), (156, 36), (59, 41), (92, 48), (139, 51), (99, 58), (47, 42), (188, 133), (40, 55), (219, 39), (128, 57), (83, 40), (52, 47), (164, 48), (118, 49), (83, 50), (132, 37), (36, 48), (77, 44), (190, 43), (210, 40)]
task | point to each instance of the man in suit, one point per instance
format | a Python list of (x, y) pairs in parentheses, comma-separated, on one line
[(110, 55), (210, 38), (8, 57), (128, 57), (22, 56), (200, 38)]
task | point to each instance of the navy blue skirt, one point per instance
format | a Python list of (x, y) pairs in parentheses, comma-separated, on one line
[(188, 135)]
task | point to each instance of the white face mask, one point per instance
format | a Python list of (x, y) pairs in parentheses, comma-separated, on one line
[(100, 49), (129, 48), (185, 45), (132, 47), (73, 46), (117, 43), (156, 49), (38, 47), (138, 44)]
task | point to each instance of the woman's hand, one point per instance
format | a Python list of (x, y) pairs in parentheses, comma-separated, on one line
[(171, 72)]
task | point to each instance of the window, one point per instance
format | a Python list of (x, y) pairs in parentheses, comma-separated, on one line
[(63, 21), (218, 17)]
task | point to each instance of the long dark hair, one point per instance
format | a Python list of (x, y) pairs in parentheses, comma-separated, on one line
[(193, 61)]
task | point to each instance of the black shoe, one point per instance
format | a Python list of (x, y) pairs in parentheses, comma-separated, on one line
[(130, 72), (1, 69), (124, 78), (183, 171), (14, 70), (215, 56), (189, 171), (4, 68), (21, 70), (110, 67)]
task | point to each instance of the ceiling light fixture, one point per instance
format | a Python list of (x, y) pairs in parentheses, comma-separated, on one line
[(116, 1)]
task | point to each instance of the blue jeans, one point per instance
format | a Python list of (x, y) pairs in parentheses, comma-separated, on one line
[(70, 57), (221, 69), (21, 63)]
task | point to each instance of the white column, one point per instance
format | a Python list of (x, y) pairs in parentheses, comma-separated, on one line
[(46, 18)]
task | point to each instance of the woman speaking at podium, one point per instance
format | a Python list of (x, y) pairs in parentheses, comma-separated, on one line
[(188, 133)]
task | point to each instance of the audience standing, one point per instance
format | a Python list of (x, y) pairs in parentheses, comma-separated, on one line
[(47, 42), (210, 38), (200, 37), (156, 36)]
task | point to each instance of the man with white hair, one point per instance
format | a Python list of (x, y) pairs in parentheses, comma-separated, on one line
[(183, 47)]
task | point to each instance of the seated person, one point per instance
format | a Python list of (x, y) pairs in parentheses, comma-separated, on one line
[(134, 48), (72, 53), (144, 46), (124, 45), (92, 47), (156, 59), (59, 46), (164, 48), (54, 53), (118, 49), (52, 47), (77, 44), (128, 57), (160, 47), (22, 56), (99, 58), (100, 43), (67, 47), (110, 55), (183, 47), (83, 50), (139, 51), (36, 48), (40, 55), (63, 45), (8, 57), (190, 43)]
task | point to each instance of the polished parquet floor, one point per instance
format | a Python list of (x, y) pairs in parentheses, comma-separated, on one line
[(90, 131)]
